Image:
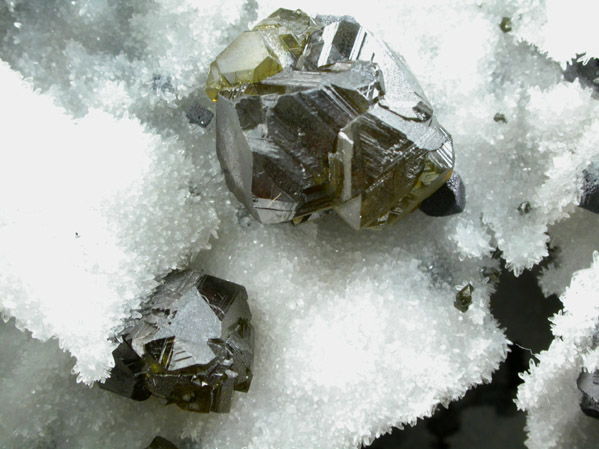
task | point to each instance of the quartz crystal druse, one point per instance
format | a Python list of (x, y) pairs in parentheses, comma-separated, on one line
[(318, 114), (193, 345)]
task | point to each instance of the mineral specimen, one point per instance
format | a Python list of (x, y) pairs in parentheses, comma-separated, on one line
[(588, 383), (318, 114), (193, 345)]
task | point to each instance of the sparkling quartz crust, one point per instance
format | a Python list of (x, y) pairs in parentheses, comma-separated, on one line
[(193, 345), (342, 124)]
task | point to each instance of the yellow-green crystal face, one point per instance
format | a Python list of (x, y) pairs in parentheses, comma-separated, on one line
[(255, 55), (343, 125), (247, 60)]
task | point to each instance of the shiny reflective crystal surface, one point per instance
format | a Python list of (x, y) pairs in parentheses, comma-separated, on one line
[(192, 347), (338, 122)]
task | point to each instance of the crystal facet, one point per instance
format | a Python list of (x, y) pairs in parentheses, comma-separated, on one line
[(193, 345), (342, 125), (199, 115)]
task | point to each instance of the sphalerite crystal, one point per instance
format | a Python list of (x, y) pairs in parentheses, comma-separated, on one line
[(317, 114), (463, 298), (192, 347)]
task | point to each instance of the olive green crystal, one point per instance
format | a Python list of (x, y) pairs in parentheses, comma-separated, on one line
[(506, 24), (463, 299), (342, 124), (255, 55), (192, 347)]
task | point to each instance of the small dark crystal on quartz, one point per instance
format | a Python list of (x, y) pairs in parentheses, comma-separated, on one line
[(318, 114), (463, 298), (450, 199), (499, 117), (524, 208), (161, 443), (590, 189), (588, 383), (506, 24), (199, 115), (492, 274), (193, 346)]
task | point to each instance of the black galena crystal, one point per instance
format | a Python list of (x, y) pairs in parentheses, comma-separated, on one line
[(450, 199), (199, 115), (193, 346)]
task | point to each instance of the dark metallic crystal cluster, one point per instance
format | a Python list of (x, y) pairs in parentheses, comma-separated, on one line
[(193, 346), (318, 114)]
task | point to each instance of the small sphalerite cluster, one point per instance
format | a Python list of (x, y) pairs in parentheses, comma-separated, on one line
[(463, 298), (193, 346), (316, 114)]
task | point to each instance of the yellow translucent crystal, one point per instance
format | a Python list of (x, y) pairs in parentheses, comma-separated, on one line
[(255, 55), (247, 60), (287, 31)]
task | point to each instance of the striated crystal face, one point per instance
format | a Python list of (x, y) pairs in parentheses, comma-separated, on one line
[(193, 345), (342, 125)]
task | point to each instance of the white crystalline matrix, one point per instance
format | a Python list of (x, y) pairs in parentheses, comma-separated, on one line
[(549, 393)]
